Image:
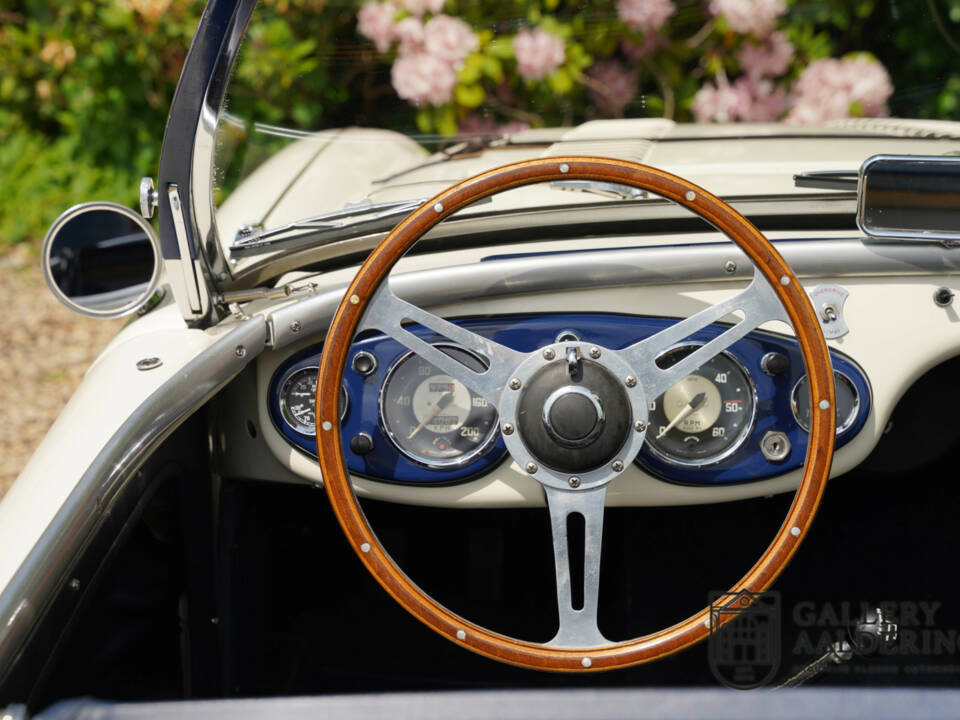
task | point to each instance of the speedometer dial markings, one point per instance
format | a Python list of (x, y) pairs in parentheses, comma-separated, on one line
[(432, 418), (704, 417)]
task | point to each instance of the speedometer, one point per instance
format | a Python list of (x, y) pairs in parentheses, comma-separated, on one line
[(706, 416), (432, 418)]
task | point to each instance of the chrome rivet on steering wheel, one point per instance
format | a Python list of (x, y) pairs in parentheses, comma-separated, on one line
[(824, 404)]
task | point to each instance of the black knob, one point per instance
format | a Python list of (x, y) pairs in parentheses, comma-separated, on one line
[(361, 444), (774, 363), (364, 363)]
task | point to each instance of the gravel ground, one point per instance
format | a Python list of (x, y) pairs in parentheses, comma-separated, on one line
[(46, 349)]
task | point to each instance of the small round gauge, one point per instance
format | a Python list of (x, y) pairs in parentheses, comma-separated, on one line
[(298, 400), (847, 401), (704, 417), (432, 418)]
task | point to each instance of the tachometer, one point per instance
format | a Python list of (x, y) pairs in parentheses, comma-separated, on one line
[(704, 417), (432, 418)]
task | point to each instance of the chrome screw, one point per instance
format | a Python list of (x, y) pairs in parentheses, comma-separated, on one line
[(639, 426), (574, 482), (617, 466), (549, 354), (149, 363), (630, 381), (515, 384), (295, 326), (532, 467), (241, 351), (594, 352), (507, 429), (730, 266)]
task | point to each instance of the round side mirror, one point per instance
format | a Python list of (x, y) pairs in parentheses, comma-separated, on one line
[(102, 260)]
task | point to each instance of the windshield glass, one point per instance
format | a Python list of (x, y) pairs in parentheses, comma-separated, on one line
[(385, 103)]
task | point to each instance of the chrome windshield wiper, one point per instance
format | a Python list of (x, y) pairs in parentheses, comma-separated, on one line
[(828, 179), (615, 191), (249, 237), (354, 220), (252, 241)]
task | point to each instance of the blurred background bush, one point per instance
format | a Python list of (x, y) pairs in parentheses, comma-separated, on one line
[(85, 86)]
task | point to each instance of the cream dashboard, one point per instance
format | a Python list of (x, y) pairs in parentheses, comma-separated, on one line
[(732, 429)]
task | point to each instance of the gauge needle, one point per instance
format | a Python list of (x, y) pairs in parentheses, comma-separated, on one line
[(696, 402), (442, 402)]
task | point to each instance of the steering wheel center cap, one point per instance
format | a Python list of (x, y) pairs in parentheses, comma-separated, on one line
[(573, 416), (574, 419)]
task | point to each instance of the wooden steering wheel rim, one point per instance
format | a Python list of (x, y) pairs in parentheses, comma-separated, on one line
[(375, 270)]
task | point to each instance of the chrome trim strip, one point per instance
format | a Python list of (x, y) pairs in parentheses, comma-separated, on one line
[(840, 258), (47, 566)]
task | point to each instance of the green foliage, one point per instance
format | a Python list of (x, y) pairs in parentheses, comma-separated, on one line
[(85, 86)]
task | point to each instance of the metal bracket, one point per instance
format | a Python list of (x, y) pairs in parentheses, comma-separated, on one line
[(187, 268), (828, 301)]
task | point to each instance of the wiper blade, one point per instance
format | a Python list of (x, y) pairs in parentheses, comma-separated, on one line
[(828, 179), (615, 191), (467, 147), (249, 237)]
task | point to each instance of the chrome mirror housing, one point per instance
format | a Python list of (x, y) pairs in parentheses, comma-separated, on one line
[(910, 197), (102, 260)]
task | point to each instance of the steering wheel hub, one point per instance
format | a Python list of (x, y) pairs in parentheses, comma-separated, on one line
[(574, 423)]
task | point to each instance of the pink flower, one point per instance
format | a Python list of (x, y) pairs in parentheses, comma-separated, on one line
[(646, 15), (834, 89), (375, 22), (743, 101), (449, 39), (751, 17), (409, 32), (423, 79), (538, 53), (771, 58), (420, 7), (613, 87)]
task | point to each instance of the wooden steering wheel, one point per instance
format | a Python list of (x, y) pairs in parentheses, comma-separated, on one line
[(623, 382)]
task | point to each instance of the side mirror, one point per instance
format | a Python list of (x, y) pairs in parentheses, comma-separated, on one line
[(102, 260), (912, 197)]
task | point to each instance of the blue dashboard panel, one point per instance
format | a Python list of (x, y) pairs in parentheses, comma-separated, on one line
[(527, 333)]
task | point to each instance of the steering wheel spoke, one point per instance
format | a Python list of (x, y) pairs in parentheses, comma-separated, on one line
[(578, 578), (757, 302), (387, 313)]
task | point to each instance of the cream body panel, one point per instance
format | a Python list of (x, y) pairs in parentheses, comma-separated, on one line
[(110, 392)]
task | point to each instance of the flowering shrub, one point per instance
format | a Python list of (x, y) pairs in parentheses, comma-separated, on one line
[(85, 87), (721, 61)]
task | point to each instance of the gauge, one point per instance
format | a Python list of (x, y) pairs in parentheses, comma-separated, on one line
[(432, 418), (847, 401), (704, 417), (298, 400)]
